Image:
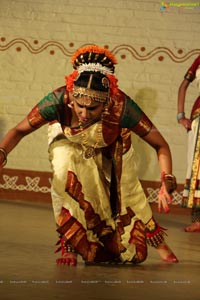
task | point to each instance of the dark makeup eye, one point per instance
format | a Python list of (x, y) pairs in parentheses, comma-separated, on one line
[(92, 108)]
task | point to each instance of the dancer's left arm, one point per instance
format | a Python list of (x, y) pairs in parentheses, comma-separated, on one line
[(168, 181)]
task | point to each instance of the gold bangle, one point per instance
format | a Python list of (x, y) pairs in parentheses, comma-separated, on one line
[(3, 152)]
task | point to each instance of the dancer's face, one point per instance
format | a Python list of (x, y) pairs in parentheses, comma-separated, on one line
[(86, 109)]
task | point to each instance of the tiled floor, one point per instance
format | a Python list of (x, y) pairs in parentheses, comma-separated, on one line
[(28, 269)]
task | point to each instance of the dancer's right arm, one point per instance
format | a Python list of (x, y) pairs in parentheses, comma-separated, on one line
[(13, 137), (41, 114)]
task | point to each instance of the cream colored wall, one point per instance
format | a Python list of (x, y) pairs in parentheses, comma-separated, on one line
[(27, 75)]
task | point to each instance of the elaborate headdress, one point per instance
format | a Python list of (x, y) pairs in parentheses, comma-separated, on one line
[(95, 58), (94, 73)]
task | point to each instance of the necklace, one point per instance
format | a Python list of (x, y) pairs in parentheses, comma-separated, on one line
[(88, 149)]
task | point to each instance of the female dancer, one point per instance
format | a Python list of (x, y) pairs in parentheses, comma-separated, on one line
[(100, 208)]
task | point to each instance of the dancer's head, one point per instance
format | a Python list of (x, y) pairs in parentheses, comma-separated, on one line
[(94, 74)]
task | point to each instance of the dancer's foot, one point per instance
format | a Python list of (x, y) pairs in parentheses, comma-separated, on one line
[(194, 227), (68, 255), (69, 259), (166, 253)]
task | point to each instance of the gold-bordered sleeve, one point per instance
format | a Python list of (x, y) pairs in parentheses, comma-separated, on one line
[(51, 108), (135, 119), (35, 119), (143, 127), (189, 76)]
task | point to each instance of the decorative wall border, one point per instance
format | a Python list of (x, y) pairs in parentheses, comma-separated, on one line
[(25, 185), (143, 54), (35, 186)]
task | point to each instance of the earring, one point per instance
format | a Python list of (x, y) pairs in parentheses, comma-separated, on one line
[(71, 104), (106, 111)]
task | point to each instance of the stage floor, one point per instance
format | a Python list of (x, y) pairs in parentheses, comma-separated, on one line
[(28, 269)]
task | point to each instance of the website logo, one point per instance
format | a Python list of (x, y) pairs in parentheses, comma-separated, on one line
[(183, 5)]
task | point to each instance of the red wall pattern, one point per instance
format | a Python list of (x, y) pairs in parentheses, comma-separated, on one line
[(177, 56)]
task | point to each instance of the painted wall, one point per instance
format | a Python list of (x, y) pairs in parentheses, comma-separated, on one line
[(154, 43)]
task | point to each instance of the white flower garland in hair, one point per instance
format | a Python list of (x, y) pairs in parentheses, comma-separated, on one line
[(92, 67)]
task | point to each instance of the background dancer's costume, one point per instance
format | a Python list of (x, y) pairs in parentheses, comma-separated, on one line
[(191, 193)]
